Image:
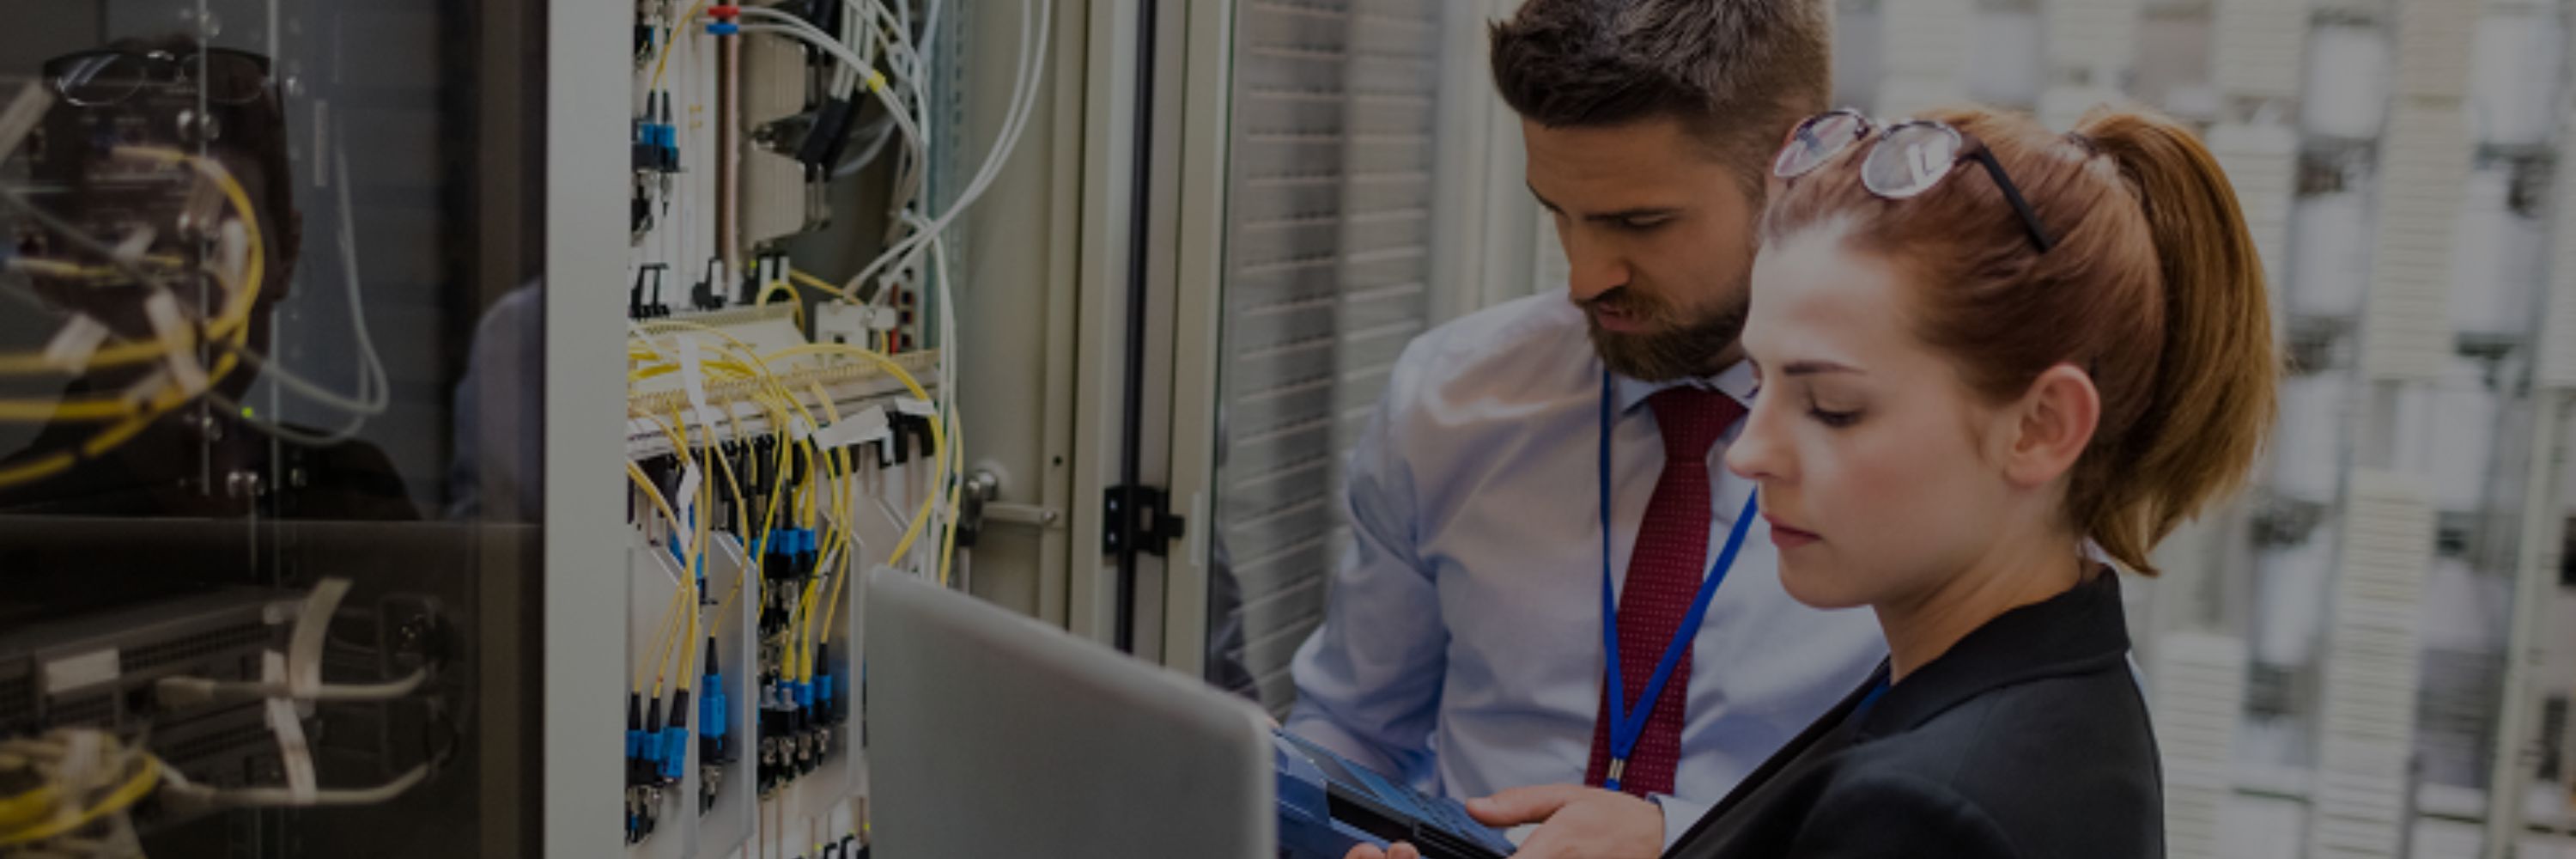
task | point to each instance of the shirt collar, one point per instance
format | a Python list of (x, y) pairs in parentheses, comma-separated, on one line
[(2079, 631), (1736, 382)]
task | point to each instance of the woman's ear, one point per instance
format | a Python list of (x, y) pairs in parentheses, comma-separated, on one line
[(2055, 422)]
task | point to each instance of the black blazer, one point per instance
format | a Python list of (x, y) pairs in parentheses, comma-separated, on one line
[(2027, 739)]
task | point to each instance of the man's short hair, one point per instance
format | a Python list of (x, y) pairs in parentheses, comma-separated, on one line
[(1736, 73)]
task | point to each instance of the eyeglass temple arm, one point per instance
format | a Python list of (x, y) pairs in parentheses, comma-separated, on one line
[(2012, 194)]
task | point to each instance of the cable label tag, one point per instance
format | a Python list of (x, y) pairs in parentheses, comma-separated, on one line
[(147, 390), (688, 506), (22, 115), (293, 750), (867, 425), (694, 380), (915, 408), (234, 244), (72, 347), (177, 338), (130, 251), (81, 671)]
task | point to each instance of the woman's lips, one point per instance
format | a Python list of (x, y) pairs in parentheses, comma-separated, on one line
[(1786, 537)]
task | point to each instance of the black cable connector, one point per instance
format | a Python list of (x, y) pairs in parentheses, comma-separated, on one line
[(829, 134), (703, 294)]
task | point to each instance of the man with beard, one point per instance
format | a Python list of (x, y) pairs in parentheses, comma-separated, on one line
[(1495, 633)]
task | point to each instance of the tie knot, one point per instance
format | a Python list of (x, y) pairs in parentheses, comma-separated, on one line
[(1691, 419)]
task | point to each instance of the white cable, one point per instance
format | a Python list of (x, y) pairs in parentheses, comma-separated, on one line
[(878, 132), (836, 49), (899, 56), (925, 50), (897, 52), (373, 381), (950, 467), (186, 692), (1024, 98), (312, 631), (303, 674), (177, 786), (912, 77), (375, 390), (843, 75)]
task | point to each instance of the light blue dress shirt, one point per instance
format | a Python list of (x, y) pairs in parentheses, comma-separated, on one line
[(1461, 642)]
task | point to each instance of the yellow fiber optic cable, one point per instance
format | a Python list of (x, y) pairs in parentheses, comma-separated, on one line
[(237, 308), (670, 617), (232, 324), (938, 436), (24, 809), (669, 36), (816, 283), (134, 790)]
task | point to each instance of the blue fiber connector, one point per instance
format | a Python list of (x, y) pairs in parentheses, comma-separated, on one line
[(711, 710), (675, 749)]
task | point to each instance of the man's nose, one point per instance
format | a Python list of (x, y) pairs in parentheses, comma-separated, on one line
[(1591, 269)]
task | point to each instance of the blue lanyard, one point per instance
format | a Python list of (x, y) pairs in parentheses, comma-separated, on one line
[(1627, 724)]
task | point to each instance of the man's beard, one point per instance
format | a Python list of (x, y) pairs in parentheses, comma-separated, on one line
[(1675, 348)]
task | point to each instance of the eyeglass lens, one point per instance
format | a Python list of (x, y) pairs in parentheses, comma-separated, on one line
[(1816, 141), (1910, 159)]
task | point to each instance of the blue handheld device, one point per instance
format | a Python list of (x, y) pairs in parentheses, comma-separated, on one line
[(1327, 805)]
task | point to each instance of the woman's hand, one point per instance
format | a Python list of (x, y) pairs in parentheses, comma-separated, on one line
[(1401, 850)]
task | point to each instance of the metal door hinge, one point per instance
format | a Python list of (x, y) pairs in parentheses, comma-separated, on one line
[(1144, 512)]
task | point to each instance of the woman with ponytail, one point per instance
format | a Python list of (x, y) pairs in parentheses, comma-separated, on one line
[(1997, 365)]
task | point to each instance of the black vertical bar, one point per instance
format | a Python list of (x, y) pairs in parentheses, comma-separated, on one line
[(1140, 221)]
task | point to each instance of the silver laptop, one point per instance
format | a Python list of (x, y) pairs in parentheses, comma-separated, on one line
[(992, 735)]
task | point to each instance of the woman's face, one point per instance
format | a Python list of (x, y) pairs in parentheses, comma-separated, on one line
[(1869, 449)]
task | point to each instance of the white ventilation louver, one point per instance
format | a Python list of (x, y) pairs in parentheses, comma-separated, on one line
[(2347, 74), (2005, 66), (2255, 50), (1329, 237), (2199, 693), (2307, 464), (2262, 163), (2406, 330), (2470, 412), (2433, 40), (2329, 267), (1925, 49), (2496, 257), (2098, 39), (2060, 107), (2368, 711), (2516, 75), (2291, 586), (2558, 327)]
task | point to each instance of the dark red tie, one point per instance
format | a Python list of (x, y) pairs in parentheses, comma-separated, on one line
[(1664, 573)]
